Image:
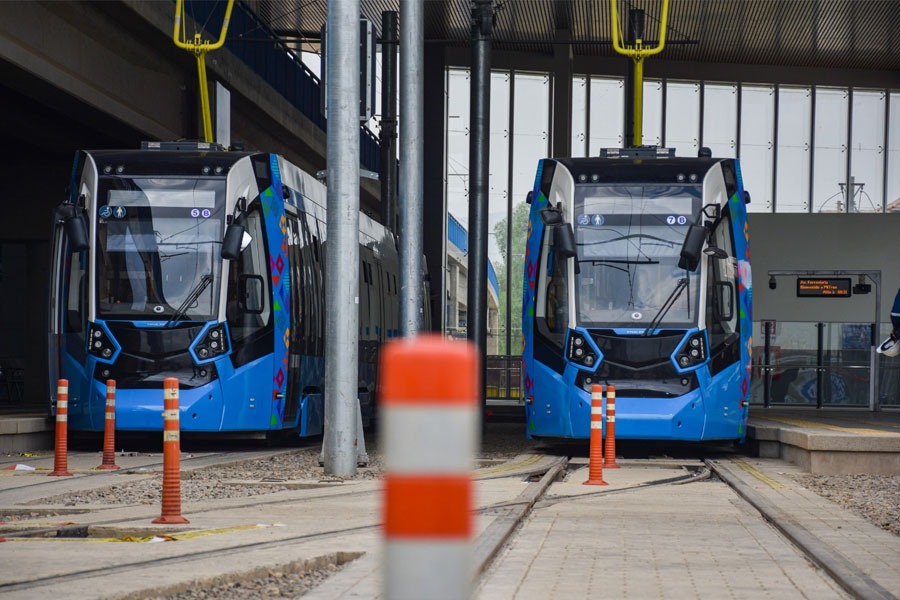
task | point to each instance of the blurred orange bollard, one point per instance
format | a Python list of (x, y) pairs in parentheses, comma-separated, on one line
[(171, 489), (595, 466), (429, 410), (109, 430), (611, 428), (61, 450)]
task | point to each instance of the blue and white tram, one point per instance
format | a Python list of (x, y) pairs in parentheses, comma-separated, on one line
[(140, 290), (637, 275)]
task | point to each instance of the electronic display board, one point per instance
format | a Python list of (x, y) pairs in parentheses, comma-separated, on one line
[(823, 287)]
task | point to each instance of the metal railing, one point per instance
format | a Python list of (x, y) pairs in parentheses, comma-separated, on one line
[(815, 364), (279, 66), (503, 380)]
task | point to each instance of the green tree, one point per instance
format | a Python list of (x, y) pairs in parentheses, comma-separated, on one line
[(515, 269)]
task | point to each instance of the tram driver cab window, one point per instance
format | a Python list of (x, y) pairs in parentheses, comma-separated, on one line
[(553, 306), (248, 282), (722, 291)]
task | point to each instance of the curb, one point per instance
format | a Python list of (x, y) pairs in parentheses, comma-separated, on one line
[(844, 572)]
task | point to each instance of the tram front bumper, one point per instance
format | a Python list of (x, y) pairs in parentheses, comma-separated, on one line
[(201, 408)]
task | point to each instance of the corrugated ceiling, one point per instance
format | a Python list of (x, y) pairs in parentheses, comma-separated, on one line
[(858, 34)]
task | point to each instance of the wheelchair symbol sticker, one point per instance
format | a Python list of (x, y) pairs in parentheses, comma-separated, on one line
[(584, 219), (105, 211)]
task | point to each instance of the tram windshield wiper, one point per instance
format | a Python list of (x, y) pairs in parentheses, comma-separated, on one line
[(201, 285), (619, 261), (670, 301)]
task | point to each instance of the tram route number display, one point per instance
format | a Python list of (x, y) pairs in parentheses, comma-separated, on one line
[(823, 287)]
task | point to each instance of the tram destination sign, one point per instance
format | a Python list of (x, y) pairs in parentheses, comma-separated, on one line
[(823, 287)]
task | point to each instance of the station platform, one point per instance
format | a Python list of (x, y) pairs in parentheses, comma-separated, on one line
[(828, 441), (25, 431)]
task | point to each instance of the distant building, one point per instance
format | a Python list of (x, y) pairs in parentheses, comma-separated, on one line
[(457, 284)]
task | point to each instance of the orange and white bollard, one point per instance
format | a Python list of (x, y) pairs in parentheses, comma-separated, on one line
[(171, 488), (429, 409), (610, 428), (595, 464), (109, 430), (61, 450)]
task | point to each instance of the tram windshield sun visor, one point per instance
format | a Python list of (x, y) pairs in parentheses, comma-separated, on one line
[(629, 240), (158, 249)]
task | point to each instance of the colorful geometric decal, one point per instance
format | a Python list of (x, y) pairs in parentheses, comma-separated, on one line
[(276, 228)]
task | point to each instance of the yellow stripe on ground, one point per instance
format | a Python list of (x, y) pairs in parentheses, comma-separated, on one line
[(820, 425), (753, 471), (173, 537), (511, 466)]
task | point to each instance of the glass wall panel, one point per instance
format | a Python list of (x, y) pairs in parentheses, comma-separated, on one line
[(531, 142), (457, 198), (498, 193), (830, 153), (683, 117), (579, 115), (867, 151), (757, 144), (720, 119), (792, 168), (893, 189), (652, 121), (607, 114)]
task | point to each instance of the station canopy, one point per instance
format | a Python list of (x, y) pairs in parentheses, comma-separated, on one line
[(840, 34)]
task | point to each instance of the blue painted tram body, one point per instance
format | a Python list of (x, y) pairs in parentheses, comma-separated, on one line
[(598, 317), (151, 296)]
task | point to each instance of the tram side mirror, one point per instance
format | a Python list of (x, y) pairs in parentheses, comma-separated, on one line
[(251, 292), (692, 248), (746, 197), (529, 196), (551, 217), (565, 241), (75, 224), (233, 244), (723, 301)]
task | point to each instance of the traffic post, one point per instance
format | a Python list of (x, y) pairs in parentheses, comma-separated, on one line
[(109, 429), (595, 461), (171, 488), (61, 446), (611, 428), (429, 406)]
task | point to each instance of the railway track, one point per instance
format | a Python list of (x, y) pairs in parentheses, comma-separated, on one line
[(508, 516)]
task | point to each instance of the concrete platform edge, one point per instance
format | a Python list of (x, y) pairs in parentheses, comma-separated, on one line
[(838, 567)]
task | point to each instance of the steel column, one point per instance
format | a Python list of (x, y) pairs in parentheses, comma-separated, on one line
[(388, 136), (479, 169), (342, 249), (412, 77)]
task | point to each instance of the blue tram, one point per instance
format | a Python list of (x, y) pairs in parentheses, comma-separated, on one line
[(637, 275), (182, 260)]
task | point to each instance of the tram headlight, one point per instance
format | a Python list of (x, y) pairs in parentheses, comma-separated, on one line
[(693, 352), (579, 351), (100, 345), (213, 343)]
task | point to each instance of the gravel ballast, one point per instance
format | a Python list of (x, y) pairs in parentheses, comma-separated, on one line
[(503, 441), (273, 584), (876, 498)]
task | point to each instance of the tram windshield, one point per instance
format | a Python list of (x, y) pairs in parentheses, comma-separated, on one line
[(629, 240), (158, 244)]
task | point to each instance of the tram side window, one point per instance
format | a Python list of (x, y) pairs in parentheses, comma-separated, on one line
[(298, 339), (75, 304), (557, 310), (722, 293), (252, 270), (311, 292)]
